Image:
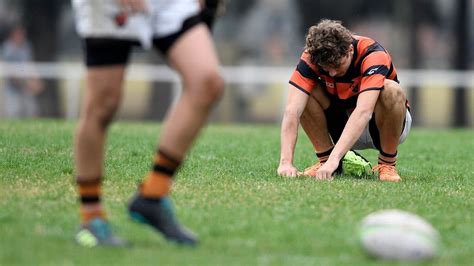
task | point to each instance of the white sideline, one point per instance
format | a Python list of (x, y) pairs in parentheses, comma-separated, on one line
[(72, 73)]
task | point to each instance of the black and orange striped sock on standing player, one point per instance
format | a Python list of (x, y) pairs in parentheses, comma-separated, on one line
[(159, 180), (387, 159), (90, 196)]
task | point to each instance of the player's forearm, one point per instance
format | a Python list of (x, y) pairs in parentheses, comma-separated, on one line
[(352, 131), (289, 135)]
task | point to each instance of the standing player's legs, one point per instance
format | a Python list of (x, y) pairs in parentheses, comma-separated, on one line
[(194, 57), (390, 112), (101, 100), (102, 97)]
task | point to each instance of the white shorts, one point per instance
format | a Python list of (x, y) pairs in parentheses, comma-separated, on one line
[(97, 19), (365, 141)]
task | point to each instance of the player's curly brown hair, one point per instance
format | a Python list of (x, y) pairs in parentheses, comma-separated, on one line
[(328, 42)]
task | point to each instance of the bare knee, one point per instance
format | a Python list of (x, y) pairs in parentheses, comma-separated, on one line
[(313, 110), (320, 97), (392, 95), (101, 112), (103, 96), (206, 90)]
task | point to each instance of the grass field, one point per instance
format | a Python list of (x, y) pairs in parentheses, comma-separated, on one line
[(229, 194)]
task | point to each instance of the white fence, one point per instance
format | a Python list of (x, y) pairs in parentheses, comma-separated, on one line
[(72, 73)]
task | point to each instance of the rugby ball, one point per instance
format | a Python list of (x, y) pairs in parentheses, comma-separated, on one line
[(398, 235)]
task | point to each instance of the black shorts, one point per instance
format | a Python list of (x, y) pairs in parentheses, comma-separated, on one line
[(103, 51), (338, 115)]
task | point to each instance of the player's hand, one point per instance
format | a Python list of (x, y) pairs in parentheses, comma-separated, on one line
[(133, 6), (287, 170), (326, 171)]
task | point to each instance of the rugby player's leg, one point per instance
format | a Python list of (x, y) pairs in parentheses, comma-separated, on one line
[(103, 93), (194, 57), (313, 120), (315, 124), (105, 60), (390, 112)]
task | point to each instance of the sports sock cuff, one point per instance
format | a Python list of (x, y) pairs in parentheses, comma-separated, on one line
[(80, 180), (387, 160), (88, 213), (165, 158), (384, 154), (158, 182), (89, 190), (324, 156), (324, 153), (157, 168), (165, 164), (89, 199)]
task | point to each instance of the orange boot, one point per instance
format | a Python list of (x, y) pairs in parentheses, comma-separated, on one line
[(386, 172)]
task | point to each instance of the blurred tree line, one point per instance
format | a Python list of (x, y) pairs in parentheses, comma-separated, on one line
[(42, 22)]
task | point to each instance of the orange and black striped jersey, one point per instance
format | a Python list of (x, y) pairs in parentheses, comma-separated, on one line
[(370, 66)]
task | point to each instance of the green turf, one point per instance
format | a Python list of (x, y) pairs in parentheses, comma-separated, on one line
[(227, 192)]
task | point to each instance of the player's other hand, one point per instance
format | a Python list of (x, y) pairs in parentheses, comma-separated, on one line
[(287, 170), (325, 172), (133, 6)]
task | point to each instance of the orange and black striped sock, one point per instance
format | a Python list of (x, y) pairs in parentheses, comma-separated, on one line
[(159, 180), (89, 196), (388, 159), (324, 156)]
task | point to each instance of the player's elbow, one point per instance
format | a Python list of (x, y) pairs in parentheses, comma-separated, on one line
[(366, 114), (291, 115)]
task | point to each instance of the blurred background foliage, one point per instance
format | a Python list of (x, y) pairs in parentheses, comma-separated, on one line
[(419, 34)]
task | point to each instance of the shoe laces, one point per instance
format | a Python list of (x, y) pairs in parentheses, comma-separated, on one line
[(311, 171), (385, 169), (314, 167)]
